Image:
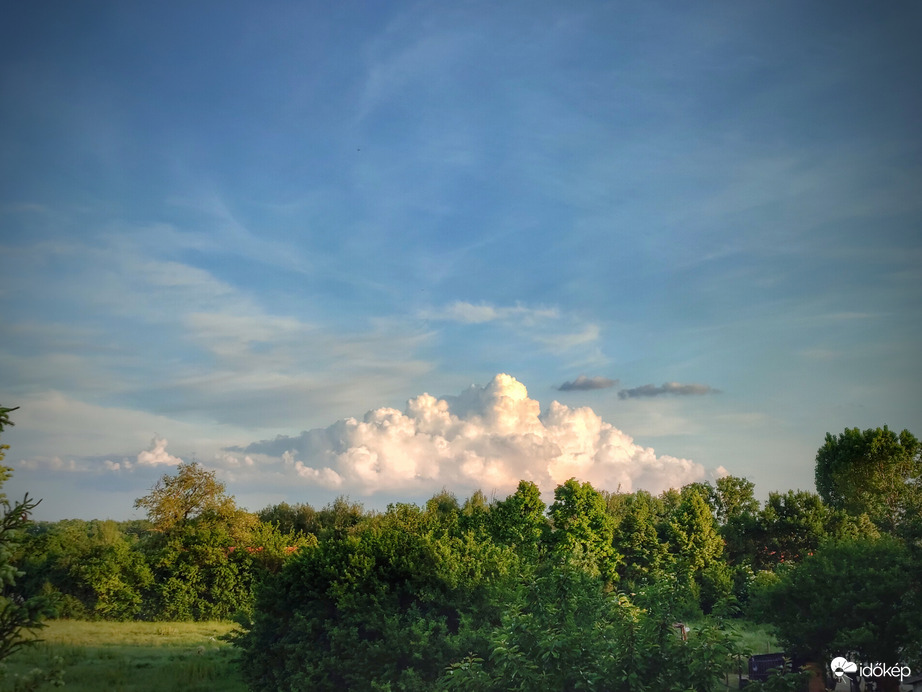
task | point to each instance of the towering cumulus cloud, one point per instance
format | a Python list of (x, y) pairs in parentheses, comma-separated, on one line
[(487, 437)]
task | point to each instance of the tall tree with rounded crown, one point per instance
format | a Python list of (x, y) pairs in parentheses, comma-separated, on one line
[(876, 472)]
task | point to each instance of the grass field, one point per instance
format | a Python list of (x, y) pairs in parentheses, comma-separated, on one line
[(134, 657)]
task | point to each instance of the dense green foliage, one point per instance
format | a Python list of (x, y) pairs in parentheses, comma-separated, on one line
[(395, 600), (856, 595), (95, 566), (512, 593), (875, 472), (198, 557), (19, 615), (561, 629)]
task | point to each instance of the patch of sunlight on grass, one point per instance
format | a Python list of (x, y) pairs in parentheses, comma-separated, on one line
[(135, 656)]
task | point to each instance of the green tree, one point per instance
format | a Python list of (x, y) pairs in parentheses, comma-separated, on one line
[(692, 533), (874, 472), (475, 515), (792, 525), (94, 567), (850, 596), (696, 551), (520, 519), (198, 575), (636, 538), (564, 630), (206, 554), (184, 496), (733, 497), (297, 518), (18, 615), (583, 527), (340, 518), (385, 606)]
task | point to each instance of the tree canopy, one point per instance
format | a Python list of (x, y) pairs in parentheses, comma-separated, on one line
[(184, 496), (874, 472)]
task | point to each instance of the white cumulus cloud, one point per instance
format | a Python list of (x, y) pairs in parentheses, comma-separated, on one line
[(157, 454), (487, 437)]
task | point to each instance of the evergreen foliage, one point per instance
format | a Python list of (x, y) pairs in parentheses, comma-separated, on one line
[(19, 615)]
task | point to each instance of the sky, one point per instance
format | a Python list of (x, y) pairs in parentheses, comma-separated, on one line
[(381, 249)]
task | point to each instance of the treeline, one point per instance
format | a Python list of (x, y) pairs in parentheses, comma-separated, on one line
[(510, 593), (204, 562)]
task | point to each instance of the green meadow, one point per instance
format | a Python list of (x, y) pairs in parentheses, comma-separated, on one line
[(133, 657)]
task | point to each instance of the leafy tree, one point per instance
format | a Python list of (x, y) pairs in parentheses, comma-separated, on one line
[(692, 533), (792, 525), (475, 515), (297, 518), (18, 615), (696, 551), (582, 526), (201, 573), (636, 538), (733, 497), (565, 631), (336, 518), (876, 472), (385, 606), (180, 498), (340, 518), (205, 553), (857, 595), (520, 519), (95, 568)]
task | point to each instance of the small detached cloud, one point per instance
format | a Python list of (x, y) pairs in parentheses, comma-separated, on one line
[(583, 383), (487, 437), (673, 388), (157, 454)]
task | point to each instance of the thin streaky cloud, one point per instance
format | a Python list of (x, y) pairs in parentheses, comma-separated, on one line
[(670, 388), (583, 383), (470, 313)]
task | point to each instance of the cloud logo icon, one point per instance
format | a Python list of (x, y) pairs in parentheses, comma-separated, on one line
[(841, 666)]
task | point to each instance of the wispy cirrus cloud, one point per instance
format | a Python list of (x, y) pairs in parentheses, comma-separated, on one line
[(557, 333), (471, 313), (668, 388), (142, 331), (583, 383)]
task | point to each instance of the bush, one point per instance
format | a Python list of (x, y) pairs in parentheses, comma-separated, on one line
[(387, 606), (565, 631)]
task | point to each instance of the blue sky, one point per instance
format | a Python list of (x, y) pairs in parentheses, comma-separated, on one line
[(697, 228)]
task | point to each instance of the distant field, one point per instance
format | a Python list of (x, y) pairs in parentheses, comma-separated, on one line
[(134, 657)]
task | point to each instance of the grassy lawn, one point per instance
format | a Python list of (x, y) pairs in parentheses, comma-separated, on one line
[(756, 639), (134, 656)]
